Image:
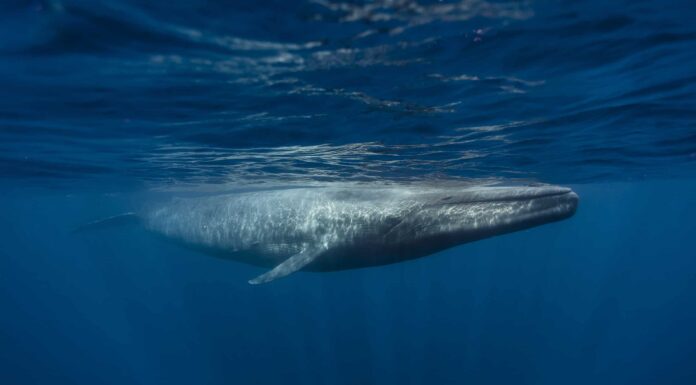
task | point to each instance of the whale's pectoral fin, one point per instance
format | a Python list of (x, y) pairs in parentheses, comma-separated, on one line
[(289, 266)]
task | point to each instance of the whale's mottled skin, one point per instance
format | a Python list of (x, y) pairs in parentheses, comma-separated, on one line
[(335, 228)]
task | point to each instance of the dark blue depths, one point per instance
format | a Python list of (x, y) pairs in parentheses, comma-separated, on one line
[(103, 102), (605, 297)]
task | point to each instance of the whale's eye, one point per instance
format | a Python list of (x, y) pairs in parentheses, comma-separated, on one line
[(446, 198)]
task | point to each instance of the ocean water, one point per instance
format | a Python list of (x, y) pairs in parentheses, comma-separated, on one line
[(105, 105)]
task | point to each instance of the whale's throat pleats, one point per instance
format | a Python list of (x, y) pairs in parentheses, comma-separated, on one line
[(290, 265)]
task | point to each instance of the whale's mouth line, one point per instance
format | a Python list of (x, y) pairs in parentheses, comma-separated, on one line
[(520, 198), (534, 197)]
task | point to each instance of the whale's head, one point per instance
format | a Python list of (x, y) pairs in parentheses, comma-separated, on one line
[(454, 216), (499, 207)]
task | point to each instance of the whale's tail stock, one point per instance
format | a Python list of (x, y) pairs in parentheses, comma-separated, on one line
[(129, 218)]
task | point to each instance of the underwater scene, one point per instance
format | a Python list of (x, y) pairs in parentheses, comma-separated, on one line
[(347, 192)]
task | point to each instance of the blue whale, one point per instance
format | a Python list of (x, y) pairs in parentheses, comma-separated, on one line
[(347, 227)]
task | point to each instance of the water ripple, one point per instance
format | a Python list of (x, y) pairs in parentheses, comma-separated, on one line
[(201, 92)]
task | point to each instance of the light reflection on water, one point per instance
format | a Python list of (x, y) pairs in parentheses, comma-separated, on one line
[(343, 91)]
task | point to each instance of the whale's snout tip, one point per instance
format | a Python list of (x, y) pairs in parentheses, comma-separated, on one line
[(571, 199)]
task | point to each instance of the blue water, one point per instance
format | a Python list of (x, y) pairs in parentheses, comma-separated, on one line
[(106, 104)]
